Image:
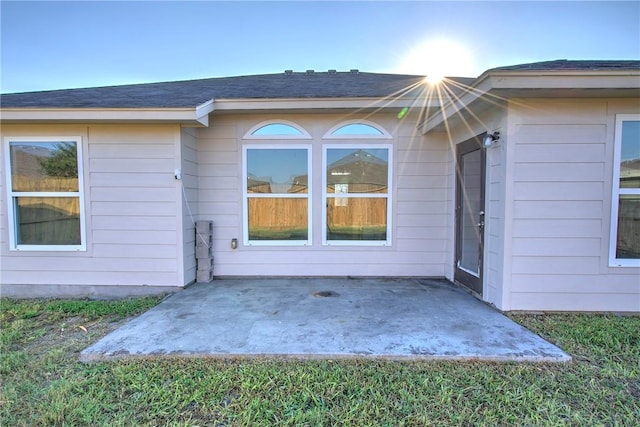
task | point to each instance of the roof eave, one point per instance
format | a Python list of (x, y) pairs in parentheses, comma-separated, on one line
[(498, 86), (279, 104), (199, 115), (190, 116)]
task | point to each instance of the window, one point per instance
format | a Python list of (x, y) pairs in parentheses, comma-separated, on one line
[(357, 129), (357, 195), (46, 206), (625, 207), (280, 129), (276, 195)]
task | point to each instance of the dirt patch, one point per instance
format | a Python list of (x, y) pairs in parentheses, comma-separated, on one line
[(71, 334)]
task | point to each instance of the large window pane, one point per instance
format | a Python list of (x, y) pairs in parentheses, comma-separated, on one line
[(44, 166), (356, 218), (624, 246), (630, 155), (628, 243), (272, 218), (277, 195), (279, 171), (45, 197), (357, 193), (357, 170), (47, 220)]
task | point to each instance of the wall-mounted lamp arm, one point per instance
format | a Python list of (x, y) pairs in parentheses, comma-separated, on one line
[(491, 138)]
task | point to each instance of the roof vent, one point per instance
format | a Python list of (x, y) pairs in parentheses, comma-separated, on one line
[(331, 71), (310, 71), (354, 71), (288, 72)]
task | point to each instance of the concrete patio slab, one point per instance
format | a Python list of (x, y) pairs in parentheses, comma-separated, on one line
[(325, 318)]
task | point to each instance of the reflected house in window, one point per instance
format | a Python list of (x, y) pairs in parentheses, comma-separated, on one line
[(630, 173), (361, 171), (353, 213), (298, 184), (258, 185), (28, 159)]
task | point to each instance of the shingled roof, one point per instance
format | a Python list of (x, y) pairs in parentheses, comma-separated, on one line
[(190, 93), (287, 85), (573, 65)]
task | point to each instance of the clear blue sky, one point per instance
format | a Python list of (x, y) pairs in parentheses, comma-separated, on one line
[(51, 45)]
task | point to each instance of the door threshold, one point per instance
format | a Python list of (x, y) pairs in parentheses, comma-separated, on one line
[(467, 289)]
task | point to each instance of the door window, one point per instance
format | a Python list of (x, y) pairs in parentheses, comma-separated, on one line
[(470, 217)]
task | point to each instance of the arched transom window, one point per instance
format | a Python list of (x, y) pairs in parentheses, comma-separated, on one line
[(357, 129), (277, 129)]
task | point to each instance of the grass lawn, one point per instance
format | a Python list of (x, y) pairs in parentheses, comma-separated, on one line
[(42, 383)]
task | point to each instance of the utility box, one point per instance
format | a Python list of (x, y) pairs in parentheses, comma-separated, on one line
[(204, 252)]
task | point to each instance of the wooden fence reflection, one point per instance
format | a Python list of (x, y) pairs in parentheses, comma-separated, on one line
[(47, 220)]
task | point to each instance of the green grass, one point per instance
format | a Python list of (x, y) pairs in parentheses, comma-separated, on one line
[(44, 384), (256, 233), (372, 232)]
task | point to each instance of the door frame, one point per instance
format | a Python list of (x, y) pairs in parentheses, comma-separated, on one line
[(463, 276)]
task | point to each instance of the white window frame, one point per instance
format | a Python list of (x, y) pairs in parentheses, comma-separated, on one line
[(11, 195), (388, 195), (617, 192), (303, 133), (384, 134), (307, 196)]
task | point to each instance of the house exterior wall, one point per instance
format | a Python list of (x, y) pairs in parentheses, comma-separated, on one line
[(420, 215), (134, 237), (558, 230), (548, 207)]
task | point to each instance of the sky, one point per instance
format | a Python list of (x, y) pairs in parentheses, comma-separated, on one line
[(56, 45)]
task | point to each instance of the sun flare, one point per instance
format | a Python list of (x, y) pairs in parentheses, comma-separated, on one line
[(438, 58)]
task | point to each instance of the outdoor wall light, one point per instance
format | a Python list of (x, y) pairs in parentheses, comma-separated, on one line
[(491, 138), (234, 243)]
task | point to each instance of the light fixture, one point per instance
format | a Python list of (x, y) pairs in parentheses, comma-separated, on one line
[(491, 138)]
